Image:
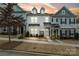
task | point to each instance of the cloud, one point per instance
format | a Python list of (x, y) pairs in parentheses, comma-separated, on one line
[(28, 7), (49, 8), (75, 11)]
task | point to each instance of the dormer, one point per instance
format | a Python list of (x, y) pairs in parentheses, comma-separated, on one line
[(34, 10), (42, 10)]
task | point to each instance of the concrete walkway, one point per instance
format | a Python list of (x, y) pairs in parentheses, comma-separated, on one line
[(42, 42)]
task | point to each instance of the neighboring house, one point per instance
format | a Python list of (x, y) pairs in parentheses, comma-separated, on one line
[(66, 21), (19, 12), (63, 23)]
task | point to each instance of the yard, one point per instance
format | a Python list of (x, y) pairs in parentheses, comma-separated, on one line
[(71, 41), (41, 48)]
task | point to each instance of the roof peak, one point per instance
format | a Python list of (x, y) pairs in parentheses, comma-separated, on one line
[(67, 10), (34, 8), (64, 7)]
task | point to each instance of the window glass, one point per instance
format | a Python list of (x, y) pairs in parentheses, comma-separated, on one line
[(63, 12), (63, 21), (52, 20), (33, 31), (72, 20), (46, 29), (56, 20), (33, 19), (47, 19)]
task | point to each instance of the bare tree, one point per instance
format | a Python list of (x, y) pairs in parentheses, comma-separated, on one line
[(8, 19)]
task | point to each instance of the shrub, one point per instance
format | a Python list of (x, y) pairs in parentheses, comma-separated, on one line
[(4, 33), (36, 35), (27, 34), (41, 35), (76, 36), (20, 37), (31, 35)]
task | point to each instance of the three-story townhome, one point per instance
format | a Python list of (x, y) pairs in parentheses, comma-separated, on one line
[(35, 22), (62, 24), (66, 22)]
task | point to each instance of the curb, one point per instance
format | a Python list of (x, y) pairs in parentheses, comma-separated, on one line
[(29, 52)]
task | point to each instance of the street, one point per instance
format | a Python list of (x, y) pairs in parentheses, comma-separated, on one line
[(14, 53), (5, 53)]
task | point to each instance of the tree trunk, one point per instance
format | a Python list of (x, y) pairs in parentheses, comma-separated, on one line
[(9, 32)]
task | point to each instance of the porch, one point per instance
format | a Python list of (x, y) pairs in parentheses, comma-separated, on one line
[(14, 30)]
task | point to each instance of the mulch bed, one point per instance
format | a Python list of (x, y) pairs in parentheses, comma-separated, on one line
[(9, 45)]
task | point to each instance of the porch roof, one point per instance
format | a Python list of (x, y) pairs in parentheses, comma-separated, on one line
[(55, 25)]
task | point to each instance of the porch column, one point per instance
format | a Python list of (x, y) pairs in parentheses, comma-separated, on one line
[(50, 32), (19, 30), (24, 30)]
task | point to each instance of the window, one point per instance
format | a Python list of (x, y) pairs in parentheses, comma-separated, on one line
[(64, 32), (72, 21), (52, 20), (33, 31), (63, 12), (46, 19), (4, 28), (71, 32), (36, 18), (46, 30), (33, 19), (63, 21), (56, 20)]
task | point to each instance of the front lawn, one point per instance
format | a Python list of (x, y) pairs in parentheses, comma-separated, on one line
[(41, 48)]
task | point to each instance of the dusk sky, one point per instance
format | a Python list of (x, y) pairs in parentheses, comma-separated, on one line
[(51, 7)]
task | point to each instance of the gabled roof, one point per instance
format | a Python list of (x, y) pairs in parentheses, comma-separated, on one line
[(18, 9), (67, 11)]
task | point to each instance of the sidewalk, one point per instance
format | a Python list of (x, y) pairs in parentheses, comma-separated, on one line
[(58, 42)]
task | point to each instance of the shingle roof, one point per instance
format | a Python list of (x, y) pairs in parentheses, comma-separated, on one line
[(67, 10), (39, 14), (18, 9)]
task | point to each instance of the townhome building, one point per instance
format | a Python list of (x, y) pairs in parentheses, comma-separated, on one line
[(62, 23), (35, 22)]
